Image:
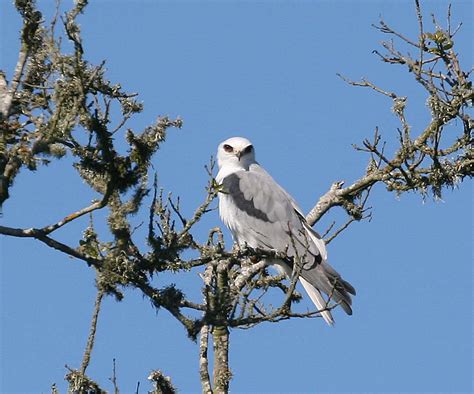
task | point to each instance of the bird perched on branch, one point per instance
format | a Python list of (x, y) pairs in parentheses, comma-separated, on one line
[(261, 214)]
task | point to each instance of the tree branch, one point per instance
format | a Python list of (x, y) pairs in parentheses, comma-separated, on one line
[(203, 360), (91, 339), (40, 236)]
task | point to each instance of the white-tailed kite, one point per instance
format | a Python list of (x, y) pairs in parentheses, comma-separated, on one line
[(261, 214)]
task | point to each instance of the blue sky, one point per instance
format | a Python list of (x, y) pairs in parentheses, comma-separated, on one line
[(267, 71)]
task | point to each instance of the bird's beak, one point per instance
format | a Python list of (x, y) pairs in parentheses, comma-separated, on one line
[(239, 154)]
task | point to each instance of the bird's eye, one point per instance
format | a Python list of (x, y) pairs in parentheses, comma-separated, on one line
[(248, 149), (228, 148)]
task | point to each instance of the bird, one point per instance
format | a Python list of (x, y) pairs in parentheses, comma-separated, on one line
[(262, 215)]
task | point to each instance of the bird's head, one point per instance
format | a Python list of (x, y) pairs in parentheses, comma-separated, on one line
[(236, 151)]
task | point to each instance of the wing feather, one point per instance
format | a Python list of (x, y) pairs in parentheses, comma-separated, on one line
[(261, 214)]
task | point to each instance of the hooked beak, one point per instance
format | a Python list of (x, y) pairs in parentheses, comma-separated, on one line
[(239, 154)]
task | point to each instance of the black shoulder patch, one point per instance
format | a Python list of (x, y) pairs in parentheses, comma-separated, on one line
[(231, 185)]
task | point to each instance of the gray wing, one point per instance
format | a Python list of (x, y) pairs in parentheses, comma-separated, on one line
[(255, 167), (263, 215)]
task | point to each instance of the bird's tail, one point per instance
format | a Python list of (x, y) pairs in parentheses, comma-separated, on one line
[(324, 278), (318, 300)]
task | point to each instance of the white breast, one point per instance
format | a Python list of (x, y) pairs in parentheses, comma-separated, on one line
[(228, 214)]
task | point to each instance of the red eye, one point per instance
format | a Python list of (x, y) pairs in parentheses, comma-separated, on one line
[(228, 148)]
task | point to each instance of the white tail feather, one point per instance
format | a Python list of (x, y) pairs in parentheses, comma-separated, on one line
[(313, 293), (318, 241), (318, 300)]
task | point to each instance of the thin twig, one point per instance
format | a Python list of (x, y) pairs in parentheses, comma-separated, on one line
[(421, 38), (113, 379), (73, 216), (339, 230), (367, 84), (93, 329)]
